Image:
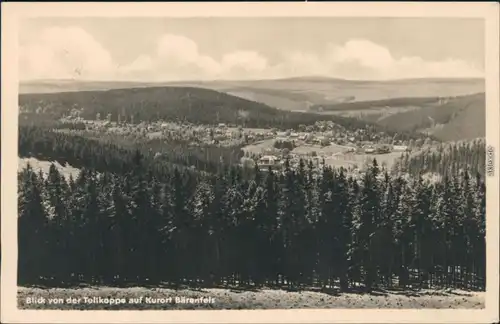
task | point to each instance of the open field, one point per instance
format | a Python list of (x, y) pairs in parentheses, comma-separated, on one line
[(326, 150), (386, 160), (262, 299), (346, 160), (342, 163), (259, 147), (37, 165)]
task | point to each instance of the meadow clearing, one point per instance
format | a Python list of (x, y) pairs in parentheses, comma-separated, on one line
[(342, 160), (37, 165)]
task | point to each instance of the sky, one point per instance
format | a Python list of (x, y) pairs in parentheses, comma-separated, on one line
[(168, 49)]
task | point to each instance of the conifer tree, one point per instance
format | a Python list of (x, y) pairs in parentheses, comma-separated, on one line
[(32, 238)]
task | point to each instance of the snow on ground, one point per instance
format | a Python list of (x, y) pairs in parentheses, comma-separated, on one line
[(262, 299), (45, 166)]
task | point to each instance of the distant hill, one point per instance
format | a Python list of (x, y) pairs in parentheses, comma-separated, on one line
[(446, 118), (457, 119), (292, 93), (468, 121), (195, 105), (55, 86), (367, 105)]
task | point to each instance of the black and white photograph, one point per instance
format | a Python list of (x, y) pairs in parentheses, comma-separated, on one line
[(208, 161)]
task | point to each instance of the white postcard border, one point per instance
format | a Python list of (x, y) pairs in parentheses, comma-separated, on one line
[(12, 12)]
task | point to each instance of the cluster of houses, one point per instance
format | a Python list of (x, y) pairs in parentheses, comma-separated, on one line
[(348, 155), (320, 135), (220, 134)]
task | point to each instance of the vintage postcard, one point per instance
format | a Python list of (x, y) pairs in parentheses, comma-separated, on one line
[(250, 162)]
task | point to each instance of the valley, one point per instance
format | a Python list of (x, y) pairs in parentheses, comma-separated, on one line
[(442, 107), (170, 169)]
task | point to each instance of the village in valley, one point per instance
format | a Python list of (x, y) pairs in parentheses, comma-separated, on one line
[(321, 143)]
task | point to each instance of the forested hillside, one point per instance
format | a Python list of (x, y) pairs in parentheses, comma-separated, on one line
[(291, 229), (361, 105), (445, 121), (448, 159), (446, 118), (195, 105), (112, 154), (468, 122)]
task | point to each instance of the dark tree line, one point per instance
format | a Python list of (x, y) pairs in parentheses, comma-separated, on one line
[(297, 228), (447, 159)]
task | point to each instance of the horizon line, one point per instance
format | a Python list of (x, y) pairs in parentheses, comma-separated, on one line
[(317, 77)]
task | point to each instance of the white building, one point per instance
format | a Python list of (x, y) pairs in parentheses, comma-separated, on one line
[(268, 161), (369, 150), (400, 148)]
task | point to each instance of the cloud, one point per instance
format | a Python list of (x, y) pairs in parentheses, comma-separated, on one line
[(363, 59), (64, 53), (73, 53), (365, 53), (239, 63), (178, 57)]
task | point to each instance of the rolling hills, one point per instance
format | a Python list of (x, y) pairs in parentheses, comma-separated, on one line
[(309, 91), (288, 94)]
